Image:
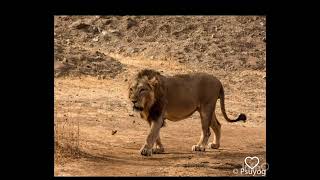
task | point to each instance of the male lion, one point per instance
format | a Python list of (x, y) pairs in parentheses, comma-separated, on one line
[(159, 97)]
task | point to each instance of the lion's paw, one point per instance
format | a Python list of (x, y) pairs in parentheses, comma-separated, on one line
[(157, 150), (213, 145), (145, 151), (198, 148)]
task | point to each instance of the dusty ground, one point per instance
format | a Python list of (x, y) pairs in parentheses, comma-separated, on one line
[(96, 132)]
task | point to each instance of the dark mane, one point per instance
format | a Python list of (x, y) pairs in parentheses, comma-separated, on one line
[(156, 109), (149, 73)]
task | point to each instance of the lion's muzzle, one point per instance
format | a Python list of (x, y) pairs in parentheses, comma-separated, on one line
[(136, 106)]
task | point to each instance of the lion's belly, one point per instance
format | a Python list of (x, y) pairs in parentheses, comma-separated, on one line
[(179, 107), (179, 113)]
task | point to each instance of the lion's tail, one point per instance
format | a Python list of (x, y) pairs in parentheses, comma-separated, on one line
[(223, 109)]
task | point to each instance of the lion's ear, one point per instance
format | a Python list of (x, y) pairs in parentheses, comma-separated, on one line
[(153, 82)]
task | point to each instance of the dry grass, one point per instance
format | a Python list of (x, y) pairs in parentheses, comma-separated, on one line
[(66, 133)]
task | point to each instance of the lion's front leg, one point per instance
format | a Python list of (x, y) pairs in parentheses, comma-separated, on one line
[(146, 150), (153, 135), (158, 149)]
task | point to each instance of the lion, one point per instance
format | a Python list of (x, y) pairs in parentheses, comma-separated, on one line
[(157, 98)]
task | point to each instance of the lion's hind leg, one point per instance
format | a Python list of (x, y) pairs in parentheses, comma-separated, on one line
[(206, 117), (216, 127)]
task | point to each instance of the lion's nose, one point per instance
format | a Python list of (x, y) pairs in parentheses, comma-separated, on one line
[(134, 101)]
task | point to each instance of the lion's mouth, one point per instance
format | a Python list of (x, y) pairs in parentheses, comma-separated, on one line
[(136, 108)]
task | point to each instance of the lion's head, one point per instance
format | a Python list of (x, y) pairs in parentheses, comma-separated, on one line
[(144, 89)]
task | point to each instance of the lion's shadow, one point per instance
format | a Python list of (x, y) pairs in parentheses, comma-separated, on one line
[(138, 160)]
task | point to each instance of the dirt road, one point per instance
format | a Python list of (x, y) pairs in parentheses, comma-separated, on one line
[(110, 134)]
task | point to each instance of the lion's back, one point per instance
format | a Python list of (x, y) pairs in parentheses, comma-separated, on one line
[(197, 85), (194, 79)]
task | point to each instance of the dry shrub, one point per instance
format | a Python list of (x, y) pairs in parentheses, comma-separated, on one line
[(66, 138)]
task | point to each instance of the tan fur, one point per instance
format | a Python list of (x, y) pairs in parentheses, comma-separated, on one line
[(159, 97)]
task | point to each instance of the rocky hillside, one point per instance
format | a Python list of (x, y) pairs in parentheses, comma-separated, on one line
[(231, 43)]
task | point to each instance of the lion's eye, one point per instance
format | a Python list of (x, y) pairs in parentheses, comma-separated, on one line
[(142, 90), (130, 89)]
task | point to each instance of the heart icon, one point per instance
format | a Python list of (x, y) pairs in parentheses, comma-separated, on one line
[(250, 160)]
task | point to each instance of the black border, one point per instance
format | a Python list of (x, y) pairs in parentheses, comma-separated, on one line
[(164, 7), (44, 64)]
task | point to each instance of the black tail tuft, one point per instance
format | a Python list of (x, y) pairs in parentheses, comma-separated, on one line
[(242, 117)]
